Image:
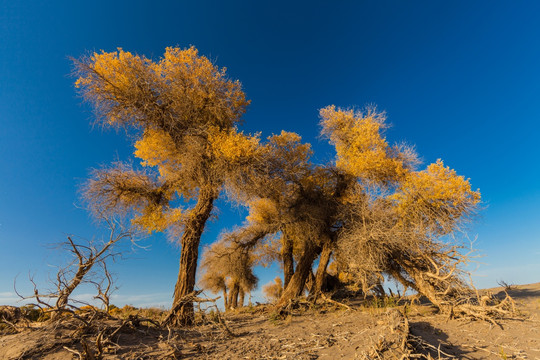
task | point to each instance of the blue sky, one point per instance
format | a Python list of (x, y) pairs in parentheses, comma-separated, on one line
[(460, 80)]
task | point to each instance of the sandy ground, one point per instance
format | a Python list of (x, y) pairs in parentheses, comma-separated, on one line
[(326, 332)]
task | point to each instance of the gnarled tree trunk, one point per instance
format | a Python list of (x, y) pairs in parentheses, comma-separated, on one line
[(298, 280), (287, 258), (321, 269), (233, 296), (191, 237), (241, 296)]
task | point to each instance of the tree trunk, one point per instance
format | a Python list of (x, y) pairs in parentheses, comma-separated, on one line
[(287, 258), (241, 296), (191, 237), (225, 302), (310, 282), (298, 280), (65, 293), (233, 296), (321, 269)]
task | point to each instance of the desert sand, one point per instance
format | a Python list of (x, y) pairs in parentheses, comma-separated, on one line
[(329, 331)]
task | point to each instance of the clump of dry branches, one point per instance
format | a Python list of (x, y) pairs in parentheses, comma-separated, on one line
[(87, 258)]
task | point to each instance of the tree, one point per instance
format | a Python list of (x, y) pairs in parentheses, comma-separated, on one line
[(397, 220), (183, 111), (229, 263), (289, 196), (273, 290), (86, 256), (283, 196)]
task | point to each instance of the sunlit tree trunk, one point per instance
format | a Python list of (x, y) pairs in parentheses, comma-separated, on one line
[(64, 294), (321, 269), (191, 237), (287, 258), (233, 296), (298, 280)]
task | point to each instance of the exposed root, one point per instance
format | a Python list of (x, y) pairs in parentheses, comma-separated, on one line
[(485, 308), (188, 299), (329, 300), (12, 320), (74, 352)]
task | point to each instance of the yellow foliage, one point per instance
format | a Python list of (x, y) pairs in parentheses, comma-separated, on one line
[(156, 148), (288, 147), (232, 146), (360, 147), (118, 74), (151, 219), (111, 66), (204, 84), (131, 89), (262, 211), (157, 218), (439, 188), (187, 109)]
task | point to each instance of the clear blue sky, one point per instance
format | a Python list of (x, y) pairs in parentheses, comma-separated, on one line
[(459, 79)]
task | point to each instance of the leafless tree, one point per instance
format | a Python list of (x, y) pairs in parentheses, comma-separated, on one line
[(86, 258)]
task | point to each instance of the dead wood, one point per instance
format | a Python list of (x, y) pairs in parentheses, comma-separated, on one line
[(329, 300)]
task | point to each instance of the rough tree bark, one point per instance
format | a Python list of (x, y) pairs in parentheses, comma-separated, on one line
[(191, 237), (63, 295), (287, 258), (321, 269), (241, 297), (233, 296), (298, 280)]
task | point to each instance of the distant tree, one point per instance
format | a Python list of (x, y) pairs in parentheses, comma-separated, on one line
[(273, 290), (184, 111), (214, 277), (228, 264)]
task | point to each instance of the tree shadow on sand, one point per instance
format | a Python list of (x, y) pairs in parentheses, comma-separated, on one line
[(427, 339)]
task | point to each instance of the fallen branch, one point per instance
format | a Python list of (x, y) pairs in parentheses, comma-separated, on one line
[(425, 344), (74, 352), (327, 299)]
